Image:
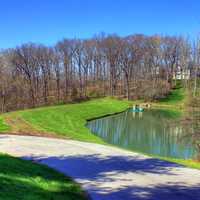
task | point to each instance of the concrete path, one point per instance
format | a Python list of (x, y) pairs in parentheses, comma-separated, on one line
[(108, 173)]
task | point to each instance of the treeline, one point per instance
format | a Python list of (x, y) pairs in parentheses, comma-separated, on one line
[(131, 67)]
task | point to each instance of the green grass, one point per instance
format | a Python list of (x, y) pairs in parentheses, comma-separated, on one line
[(69, 120), (175, 97), (3, 126), (187, 163), (24, 180)]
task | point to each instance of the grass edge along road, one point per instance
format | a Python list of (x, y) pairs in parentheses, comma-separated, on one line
[(22, 179), (69, 120), (64, 120)]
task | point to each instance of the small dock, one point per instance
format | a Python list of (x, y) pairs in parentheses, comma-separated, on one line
[(140, 107)]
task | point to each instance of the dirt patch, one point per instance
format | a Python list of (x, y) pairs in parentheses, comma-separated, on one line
[(21, 127)]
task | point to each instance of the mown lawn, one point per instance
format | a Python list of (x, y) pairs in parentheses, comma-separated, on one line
[(69, 120), (175, 97), (24, 180), (3, 126), (65, 120)]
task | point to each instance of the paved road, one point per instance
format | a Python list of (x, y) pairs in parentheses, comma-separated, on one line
[(108, 173)]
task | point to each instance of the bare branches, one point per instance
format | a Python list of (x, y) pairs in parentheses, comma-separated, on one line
[(136, 66)]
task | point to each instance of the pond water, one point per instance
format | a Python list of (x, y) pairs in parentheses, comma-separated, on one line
[(155, 132)]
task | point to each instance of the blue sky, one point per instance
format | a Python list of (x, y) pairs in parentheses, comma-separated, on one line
[(47, 21)]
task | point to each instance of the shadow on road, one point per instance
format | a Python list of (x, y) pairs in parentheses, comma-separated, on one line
[(94, 171)]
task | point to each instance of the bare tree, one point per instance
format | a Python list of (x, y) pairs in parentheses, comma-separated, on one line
[(136, 66)]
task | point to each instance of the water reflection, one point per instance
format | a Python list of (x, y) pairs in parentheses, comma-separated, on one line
[(191, 125), (151, 132)]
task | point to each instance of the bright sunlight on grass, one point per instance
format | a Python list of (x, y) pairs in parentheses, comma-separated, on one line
[(3, 126), (20, 179), (69, 120)]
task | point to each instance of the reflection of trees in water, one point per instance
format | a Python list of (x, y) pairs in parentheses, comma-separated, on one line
[(191, 123), (151, 132)]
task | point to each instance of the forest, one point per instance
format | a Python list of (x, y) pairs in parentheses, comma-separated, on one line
[(132, 67)]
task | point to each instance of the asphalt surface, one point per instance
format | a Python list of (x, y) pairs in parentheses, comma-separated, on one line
[(108, 173)]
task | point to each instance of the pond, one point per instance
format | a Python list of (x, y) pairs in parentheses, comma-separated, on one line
[(156, 132)]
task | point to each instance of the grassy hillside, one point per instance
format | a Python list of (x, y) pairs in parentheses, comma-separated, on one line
[(176, 96), (3, 126), (177, 99), (64, 120), (20, 179), (69, 120)]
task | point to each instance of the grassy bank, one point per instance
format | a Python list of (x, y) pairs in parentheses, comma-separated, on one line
[(20, 179), (177, 99), (187, 163), (64, 120), (69, 120), (3, 126)]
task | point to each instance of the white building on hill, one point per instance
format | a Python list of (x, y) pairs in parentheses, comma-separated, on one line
[(181, 74)]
